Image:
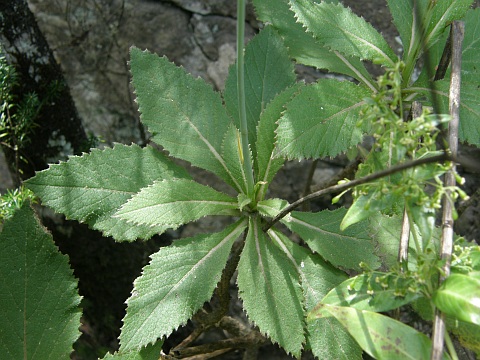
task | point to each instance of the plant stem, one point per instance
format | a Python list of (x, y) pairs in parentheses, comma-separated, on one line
[(447, 219), (416, 111), (341, 187), (245, 149)]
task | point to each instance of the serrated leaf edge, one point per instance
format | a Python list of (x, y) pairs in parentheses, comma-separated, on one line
[(378, 50), (232, 211), (267, 333), (242, 223), (212, 149)]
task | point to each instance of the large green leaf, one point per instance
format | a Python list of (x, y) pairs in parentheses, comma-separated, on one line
[(339, 29), (378, 335), (325, 337), (440, 16), (459, 296), (376, 292), (471, 46), (321, 231), (92, 187), (321, 120), (184, 114), (175, 202), (469, 126), (38, 293), (406, 19), (303, 47), (385, 231), (233, 154), (176, 283), (368, 205), (269, 287), (266, 165), (268, 71)]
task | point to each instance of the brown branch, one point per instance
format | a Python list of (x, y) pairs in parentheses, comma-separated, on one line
[(308, 183), (243, 342), (445, 59), (457, 31), (341, 187), (405, 234)]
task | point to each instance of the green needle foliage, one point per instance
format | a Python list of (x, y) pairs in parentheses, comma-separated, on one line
[(298, 296)]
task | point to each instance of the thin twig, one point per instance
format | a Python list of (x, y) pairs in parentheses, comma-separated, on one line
[(341, 187), (308, 183), (244, 148), (405, 234), (445, 59), (458, 29), (404, 241), (243, 342)]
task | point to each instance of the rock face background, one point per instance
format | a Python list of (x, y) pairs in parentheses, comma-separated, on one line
[(91, 40)]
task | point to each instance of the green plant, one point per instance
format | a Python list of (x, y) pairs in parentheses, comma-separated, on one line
[(130, 193), (18, 114), (13, 200)]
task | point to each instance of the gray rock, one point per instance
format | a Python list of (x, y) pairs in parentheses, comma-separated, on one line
[(205, 7)]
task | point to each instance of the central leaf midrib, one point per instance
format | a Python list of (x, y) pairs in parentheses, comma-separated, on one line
[(207, 255)]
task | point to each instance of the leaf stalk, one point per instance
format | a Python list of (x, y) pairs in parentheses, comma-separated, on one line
[(244, 149)]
